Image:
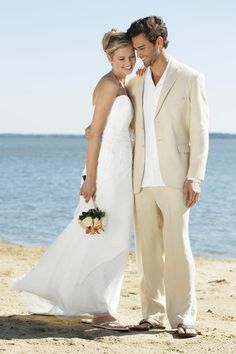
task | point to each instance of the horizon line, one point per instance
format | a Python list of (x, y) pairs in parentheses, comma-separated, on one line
[(76, 135)]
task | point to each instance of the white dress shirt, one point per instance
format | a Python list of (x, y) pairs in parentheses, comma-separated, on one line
[(152, 174)]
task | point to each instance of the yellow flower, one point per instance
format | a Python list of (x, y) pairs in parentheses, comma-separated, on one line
[(103, 222), (97, 223), (92, 225), (86, 222)]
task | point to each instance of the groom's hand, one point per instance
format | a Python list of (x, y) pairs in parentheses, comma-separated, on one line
[(141, 71), (192, 192)]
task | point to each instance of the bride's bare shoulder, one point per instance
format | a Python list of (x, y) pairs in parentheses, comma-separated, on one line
[(107, 84), (109, 81)]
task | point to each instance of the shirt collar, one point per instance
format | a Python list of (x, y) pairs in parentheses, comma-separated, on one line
[(148, 77)]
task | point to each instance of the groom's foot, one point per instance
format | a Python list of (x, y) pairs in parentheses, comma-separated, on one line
[(186, 331)]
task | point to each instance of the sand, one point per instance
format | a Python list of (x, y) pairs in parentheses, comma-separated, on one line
[(23, 333)]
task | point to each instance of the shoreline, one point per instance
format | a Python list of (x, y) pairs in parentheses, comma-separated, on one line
[(23, 333), (212, 135), (131, 251)]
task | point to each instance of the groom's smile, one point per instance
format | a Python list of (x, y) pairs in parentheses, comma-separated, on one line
[(147, 51)]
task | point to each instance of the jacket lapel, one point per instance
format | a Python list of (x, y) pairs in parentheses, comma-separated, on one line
[(139, 102), (174, 71)]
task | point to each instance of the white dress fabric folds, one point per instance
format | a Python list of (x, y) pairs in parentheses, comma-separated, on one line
[(82, 274)]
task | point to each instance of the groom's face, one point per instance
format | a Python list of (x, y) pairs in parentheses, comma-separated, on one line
[(145, 50)]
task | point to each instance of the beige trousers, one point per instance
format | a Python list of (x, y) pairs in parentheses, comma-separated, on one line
[(164, 256)]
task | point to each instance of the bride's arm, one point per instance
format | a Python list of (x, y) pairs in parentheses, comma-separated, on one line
[(105, 95)]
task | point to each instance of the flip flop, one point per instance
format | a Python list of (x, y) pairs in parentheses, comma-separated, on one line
[(111, 325), (147, 327), (185, 334)]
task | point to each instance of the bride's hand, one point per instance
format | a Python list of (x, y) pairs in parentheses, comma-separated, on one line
[(141, 71), (88, 190), (87, 131)]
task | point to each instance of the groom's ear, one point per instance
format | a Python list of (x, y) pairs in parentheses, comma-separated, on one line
[(159, 42)]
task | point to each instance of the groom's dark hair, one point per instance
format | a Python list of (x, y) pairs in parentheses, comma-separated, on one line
[(152, 27)]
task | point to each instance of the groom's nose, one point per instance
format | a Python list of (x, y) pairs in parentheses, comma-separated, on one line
[(138, 54)]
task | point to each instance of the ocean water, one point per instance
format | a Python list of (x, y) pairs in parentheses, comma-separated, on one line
[(40, 182)]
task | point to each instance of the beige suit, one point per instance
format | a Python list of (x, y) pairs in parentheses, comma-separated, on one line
[(161, 218)]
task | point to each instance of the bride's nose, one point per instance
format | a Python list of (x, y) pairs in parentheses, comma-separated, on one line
[(128, 62)]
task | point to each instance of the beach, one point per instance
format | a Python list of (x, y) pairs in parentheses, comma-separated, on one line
[(23, 333)]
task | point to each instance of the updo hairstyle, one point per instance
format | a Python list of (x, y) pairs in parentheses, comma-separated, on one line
[(114, 40)]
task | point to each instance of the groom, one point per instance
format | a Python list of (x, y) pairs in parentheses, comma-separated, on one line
[(171, 147)]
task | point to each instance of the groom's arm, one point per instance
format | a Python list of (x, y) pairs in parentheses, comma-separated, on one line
[(198, 130), (199, 140)]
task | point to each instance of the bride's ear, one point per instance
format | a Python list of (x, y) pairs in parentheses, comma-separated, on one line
[(109, 58)]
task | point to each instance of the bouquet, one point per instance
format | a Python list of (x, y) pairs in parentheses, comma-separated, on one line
[(93, 221)]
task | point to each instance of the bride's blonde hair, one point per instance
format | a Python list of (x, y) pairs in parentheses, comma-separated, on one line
[(114, 40)]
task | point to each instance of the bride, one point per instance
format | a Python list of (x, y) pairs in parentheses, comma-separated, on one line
[(82, 274)]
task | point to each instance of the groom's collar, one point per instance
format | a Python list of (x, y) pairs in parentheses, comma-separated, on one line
[(173, 73)]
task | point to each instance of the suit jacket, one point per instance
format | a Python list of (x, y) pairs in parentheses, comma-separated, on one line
[(181, 126)]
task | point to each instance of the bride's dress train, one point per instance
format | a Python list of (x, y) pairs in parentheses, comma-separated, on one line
[(81, 274)]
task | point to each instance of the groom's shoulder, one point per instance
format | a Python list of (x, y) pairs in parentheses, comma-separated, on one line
[(134, 83), (187, 70)]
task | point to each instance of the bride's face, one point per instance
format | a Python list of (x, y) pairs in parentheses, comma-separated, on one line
[(123, 60)]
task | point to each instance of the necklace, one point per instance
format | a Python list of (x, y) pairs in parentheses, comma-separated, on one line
[(121, 81)]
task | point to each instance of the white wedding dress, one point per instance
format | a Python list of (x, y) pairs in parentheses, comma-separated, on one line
[(81, 274)]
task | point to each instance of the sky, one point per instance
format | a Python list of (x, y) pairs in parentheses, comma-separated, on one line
[(51, 57)]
